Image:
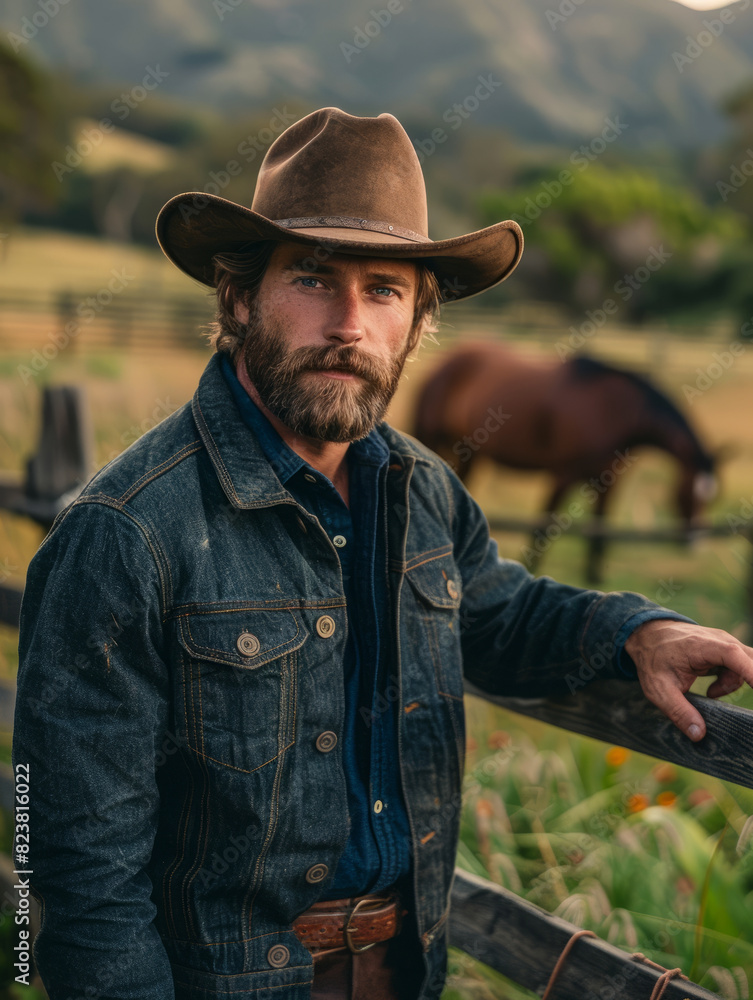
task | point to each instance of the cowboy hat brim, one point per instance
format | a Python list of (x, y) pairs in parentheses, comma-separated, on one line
[(193, 227)]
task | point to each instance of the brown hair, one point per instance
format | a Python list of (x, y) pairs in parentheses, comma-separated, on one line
[(238, 275)]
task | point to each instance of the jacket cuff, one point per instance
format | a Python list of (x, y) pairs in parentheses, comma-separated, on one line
[(622, 660), (609, 623)]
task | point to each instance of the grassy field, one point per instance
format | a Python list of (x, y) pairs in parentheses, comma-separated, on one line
[(651, 857)]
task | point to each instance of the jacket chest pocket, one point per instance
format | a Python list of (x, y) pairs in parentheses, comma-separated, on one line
[(436, 595), (239, 677), (434, 605)]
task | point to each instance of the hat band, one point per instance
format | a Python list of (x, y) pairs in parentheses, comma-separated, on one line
[(345, 222)]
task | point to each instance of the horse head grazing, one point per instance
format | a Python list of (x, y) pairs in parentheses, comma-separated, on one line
[(659, 423), (697, 487)]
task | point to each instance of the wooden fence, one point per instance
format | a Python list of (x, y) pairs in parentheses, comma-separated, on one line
[(98, 320), (518, 939), (524, 942)]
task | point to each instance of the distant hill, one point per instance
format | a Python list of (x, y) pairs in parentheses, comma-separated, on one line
[(553, 79)]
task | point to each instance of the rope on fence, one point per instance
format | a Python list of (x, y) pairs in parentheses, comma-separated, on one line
[(561, 959), (660, 986)]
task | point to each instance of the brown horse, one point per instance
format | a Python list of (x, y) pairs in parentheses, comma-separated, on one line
[(579, 419)]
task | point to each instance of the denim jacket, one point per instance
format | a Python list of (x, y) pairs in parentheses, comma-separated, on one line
[(180, 704)]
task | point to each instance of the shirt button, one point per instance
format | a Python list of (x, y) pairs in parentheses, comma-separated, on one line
[(278, 956), (317, 874), (309, 478), (326, 741), (325, 626), (378, 806), (452, 590), (247, 644), (340, 540)]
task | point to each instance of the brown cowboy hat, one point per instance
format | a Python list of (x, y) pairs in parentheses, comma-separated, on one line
[(345, 184)]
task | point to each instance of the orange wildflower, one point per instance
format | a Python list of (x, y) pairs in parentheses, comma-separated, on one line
[(616, 756), (637, 803), (499, 739), (471, 745), (666, 799), (484, 809), (664, 773)]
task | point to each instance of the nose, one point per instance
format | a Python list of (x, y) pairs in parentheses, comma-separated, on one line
[(346, 326)]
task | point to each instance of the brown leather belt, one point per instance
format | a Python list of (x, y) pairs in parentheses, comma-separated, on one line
[(353, 924)]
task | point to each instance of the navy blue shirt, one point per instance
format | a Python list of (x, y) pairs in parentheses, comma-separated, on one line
[(378, 851)]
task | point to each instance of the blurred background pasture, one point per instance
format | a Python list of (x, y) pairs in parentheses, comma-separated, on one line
[(611, 132)]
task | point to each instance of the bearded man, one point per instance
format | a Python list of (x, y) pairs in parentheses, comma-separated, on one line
[(242, 647)]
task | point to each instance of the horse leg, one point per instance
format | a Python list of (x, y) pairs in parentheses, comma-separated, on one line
[(597, 544), (539, 541)]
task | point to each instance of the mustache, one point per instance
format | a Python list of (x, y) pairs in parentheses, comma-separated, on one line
[(345, 359)]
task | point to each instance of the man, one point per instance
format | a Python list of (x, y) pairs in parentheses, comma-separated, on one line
[(242, 647)]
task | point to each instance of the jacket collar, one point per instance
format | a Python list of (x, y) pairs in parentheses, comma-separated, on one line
[(247, 476)]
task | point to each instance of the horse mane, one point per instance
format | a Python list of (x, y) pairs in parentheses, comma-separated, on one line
[(585, 367)]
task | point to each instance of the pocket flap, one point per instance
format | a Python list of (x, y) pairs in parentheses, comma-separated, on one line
[(243, 638), (436, 579)]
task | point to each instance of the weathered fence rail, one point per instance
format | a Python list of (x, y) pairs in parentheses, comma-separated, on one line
[(523, 943), (617, 712)]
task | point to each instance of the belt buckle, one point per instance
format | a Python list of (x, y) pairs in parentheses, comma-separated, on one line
[(355, 949)]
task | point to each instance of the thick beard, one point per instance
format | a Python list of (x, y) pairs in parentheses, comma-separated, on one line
[(327, 409)]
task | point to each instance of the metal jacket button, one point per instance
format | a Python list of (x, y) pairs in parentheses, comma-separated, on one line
[(326, 741), (317, 874), (325, 626), (452, 590), (278, 956), (247, 644)]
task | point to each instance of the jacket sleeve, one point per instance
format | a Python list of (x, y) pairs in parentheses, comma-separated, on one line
[(91, 712), (530, 636)]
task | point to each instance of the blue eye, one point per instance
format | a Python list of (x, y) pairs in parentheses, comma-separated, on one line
[(315, 281), (384, 289)]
